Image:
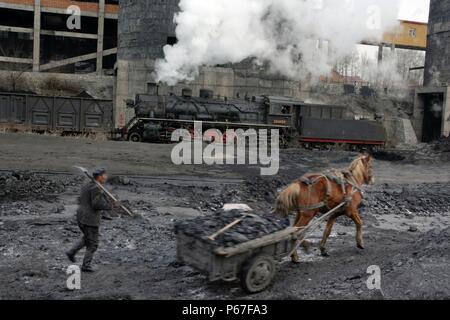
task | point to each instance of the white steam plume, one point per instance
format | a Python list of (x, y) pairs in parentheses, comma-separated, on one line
[(284, 34)]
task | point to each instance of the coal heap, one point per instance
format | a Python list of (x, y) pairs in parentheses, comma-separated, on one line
[(422, 200), (388, 156), (252, 227), (442, 145), (263, 189), (22, 185)]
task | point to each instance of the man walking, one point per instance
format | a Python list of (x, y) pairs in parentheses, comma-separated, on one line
[(91, 203)]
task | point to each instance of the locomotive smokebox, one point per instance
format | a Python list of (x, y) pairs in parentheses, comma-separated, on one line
[(206, 94)]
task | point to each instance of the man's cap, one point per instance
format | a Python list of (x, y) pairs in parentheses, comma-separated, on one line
[(98, 172)]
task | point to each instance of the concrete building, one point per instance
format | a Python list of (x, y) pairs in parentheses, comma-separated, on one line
[(432, 102), (42, 36), (42, 39)]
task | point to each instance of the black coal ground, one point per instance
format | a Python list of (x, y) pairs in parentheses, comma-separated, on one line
[(438, 151), (430, 257), (137, 257), (139, 254), (409, 200)]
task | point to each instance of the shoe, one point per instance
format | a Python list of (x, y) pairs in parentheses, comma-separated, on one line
[(71, 257), (107, 217), (88, 269)]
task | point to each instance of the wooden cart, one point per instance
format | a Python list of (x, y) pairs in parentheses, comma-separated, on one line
[(254, 262)]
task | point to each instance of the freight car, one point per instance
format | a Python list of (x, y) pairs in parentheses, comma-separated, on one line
[(20, 111), (157, 116)]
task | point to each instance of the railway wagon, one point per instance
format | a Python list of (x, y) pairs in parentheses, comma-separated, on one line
[(361, 133), (58, 114)]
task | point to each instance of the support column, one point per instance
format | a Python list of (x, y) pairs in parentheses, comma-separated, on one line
[(37, 36), (446, 114), (380, 53), (100, 34)]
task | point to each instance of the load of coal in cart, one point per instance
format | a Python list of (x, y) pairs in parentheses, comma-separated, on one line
[(244, 227)]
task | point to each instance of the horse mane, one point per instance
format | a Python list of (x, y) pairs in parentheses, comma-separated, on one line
[(357, 167), (287, 200), (355, 164)]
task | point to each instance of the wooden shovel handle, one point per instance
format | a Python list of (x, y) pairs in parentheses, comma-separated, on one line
[(227, 227)]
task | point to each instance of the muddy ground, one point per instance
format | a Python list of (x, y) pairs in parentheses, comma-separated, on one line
[(407, 224)]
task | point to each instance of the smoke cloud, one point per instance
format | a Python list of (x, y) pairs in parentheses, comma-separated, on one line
[(294, 38)]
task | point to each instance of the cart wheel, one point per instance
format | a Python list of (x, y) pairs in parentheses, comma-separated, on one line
[(257, 273), (135, 137)]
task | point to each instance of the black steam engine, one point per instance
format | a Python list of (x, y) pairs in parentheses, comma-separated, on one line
[(157, 116)]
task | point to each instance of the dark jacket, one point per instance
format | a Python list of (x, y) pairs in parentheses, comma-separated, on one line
[(91, 203)]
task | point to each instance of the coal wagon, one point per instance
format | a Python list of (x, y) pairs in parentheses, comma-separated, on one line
[(253, 262), (56, 114), (361, 133)]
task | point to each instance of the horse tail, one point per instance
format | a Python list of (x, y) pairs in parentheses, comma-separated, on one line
[(288, 200)]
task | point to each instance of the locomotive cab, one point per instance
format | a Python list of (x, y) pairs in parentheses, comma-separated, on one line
[(282, 111)]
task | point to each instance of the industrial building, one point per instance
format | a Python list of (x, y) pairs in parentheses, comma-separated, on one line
[(58, 47), (143, 36), (112, 56), (39, 35), (432, 102)]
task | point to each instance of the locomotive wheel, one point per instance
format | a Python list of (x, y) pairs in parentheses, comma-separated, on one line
[(135, 137), (257, 273)]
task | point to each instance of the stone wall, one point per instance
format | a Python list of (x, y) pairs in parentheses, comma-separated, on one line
[(400, 132)]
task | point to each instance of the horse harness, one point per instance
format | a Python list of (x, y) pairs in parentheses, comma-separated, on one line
[(342, 178)]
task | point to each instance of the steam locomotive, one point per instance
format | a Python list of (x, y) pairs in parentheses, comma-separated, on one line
[(157, 116)]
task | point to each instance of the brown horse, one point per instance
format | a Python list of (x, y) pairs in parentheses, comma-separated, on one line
[(319, 193)]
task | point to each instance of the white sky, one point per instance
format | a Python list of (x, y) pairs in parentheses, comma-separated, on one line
[(416, 10)]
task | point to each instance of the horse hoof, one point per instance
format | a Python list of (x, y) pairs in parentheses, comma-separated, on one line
[(295, 260), (324, 253), (361, 247)]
